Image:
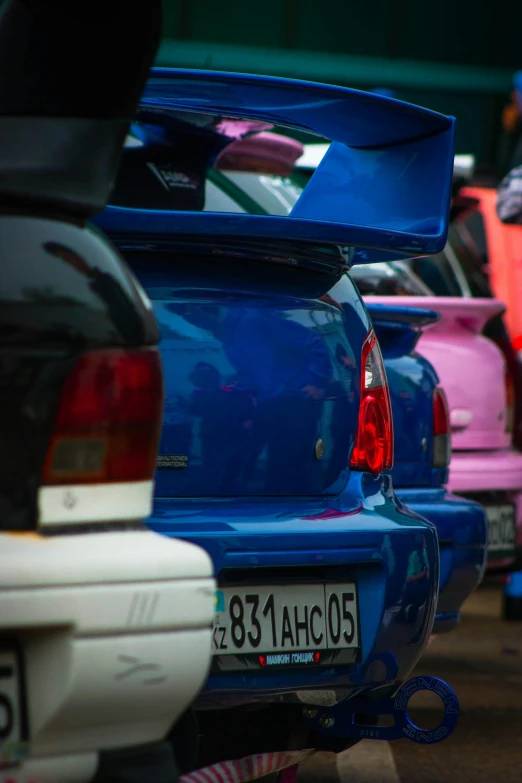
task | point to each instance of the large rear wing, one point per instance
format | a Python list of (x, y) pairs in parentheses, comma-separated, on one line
[(382, 190)]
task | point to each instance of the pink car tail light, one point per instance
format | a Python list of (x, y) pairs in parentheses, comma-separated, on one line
[(441, 430), (373, 449)]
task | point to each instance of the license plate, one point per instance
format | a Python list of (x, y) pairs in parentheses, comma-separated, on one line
[(13, 726), (501, 528), (285, 625)]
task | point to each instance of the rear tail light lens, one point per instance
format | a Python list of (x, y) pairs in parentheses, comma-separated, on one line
[(517, 343), (373, 449), (109, 419), (517, 346), (441, 430), (510, 401)]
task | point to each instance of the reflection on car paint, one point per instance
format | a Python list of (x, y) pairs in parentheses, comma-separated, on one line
[(231, 370)]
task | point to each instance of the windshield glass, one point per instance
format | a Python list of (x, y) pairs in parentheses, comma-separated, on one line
[(437, 273), (388, 279), (154, 174), (276, 195), (470, 259)]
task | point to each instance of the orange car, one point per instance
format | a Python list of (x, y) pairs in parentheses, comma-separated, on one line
[(499, 247)]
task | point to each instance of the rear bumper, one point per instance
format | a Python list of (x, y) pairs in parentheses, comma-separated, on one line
[(478, 471), (79, 611), (462, 530), (498, 472), (361, 535)]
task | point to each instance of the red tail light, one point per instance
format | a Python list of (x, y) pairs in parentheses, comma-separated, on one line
[(373, 449), (517, 343), (109, 419), (510, 401), (441, 430)]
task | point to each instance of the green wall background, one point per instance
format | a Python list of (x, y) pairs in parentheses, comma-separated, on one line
[(454, 56)]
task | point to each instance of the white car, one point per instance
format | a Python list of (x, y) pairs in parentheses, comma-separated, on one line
[(110, 644), (105, 626)]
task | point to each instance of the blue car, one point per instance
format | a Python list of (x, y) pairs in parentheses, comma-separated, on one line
[(422, 454), (262, 168), (277, 445)]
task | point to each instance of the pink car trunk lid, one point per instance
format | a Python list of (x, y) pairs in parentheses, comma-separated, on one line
[(270, 151), (470, 367)]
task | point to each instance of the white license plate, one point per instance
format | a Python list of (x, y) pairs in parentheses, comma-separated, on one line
[(13, 746), (501, 528), (285, 619)]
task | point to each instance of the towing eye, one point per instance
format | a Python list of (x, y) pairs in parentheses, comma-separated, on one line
[(340, 720)]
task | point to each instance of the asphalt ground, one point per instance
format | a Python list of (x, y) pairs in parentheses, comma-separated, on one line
[(482, 661)]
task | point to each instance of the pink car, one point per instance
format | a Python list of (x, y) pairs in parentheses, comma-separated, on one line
[(484, 465)]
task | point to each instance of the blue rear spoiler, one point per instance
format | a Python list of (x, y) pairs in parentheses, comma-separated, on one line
[(383, 189), (398, 328)]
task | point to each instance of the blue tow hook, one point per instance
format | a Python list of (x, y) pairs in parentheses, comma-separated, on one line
[(340, 720)]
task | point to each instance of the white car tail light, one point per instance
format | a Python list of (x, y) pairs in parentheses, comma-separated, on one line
[(102, 454)]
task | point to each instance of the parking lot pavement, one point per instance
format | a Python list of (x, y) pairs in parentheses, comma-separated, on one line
[(482, 661)]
